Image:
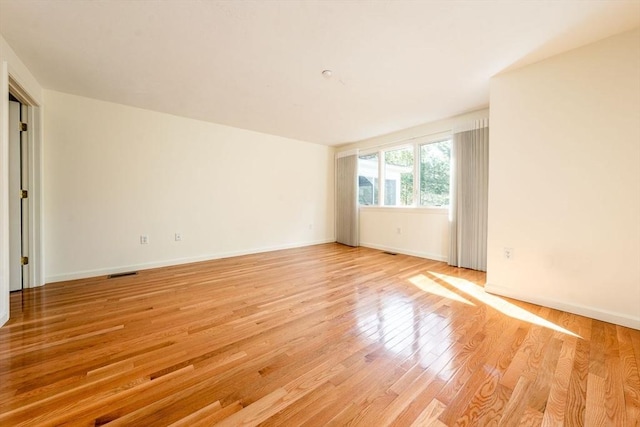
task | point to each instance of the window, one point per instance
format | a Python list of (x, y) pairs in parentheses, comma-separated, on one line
[(435, 164), (398, 175), (407, 175), (368, 179), (390, 192)]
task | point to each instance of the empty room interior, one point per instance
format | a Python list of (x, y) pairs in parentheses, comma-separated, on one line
[(323, 213)]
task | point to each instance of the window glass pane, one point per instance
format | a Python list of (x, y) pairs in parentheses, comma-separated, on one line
[(368, 179), (398, 174), (435, 165), (390, 192)]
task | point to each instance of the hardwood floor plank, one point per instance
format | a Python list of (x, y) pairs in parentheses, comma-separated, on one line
[(486, 340), (597, 350), (343, 417), (416, 408), (554, 412), (537, 401), (630, 375), (257, 412), (400, 402), (307, 408), (614, 401), (430, 415), (529, 358), (531, 418), (516, 405), (197, 416), (494, 408), (595, 413), (320, 335), (470, 402), (577, 393)]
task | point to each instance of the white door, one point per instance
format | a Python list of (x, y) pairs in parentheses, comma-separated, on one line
[(18, 205)]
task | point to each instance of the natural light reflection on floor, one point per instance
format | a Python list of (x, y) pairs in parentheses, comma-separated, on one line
[(391, 318), (403, 328), (428, 285), (498, 303)]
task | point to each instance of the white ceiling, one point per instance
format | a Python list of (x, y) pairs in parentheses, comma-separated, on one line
[(257, 64)]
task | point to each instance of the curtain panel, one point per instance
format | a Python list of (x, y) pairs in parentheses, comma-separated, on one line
[(469, 196), (347, 228)]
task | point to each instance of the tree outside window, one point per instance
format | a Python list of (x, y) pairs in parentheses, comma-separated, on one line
[(435, 165), (398, 166)]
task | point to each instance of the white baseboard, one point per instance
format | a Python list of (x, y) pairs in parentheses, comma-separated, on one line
[(177, 261), (592, 312), (4, 318), (427, 255)]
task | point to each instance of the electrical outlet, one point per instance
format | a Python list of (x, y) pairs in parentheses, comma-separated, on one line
[(144, 239), (508, 253), (178, 237), (310, 226), (398, 230)]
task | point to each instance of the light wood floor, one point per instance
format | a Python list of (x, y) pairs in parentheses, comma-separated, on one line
[(323, 335)]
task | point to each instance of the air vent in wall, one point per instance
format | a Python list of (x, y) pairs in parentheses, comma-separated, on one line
[(389, 253), (128, 273)]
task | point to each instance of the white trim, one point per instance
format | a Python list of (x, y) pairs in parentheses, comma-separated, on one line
[(475, 124), (34, 185), (592, 312), (29, 88), (434, 210), (335, 194), (19, 92), (347, 153), (418, 139), (36, 206), (4, 197), (416, 174), (419, 254), (177, 261)]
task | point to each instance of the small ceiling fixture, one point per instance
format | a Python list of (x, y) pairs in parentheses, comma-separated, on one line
[(327, 74)]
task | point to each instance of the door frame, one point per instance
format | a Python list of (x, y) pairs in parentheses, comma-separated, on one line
[(24, 84), (18, 206), (34, 148)]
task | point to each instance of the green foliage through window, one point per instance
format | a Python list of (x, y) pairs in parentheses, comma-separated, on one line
[(435, 161), (399, 167)]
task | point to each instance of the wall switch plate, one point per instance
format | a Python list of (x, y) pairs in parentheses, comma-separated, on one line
[(144, 239)]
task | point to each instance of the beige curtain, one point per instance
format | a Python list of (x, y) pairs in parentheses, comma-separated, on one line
[(469, 196), (347, 199)]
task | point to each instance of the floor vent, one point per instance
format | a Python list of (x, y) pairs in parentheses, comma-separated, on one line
[(389, 253), (128, 273)]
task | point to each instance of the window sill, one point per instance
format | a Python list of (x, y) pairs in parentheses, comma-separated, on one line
[(406, 209)]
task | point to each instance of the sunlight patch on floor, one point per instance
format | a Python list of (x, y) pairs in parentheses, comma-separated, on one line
[(500, 304), (428, 285)]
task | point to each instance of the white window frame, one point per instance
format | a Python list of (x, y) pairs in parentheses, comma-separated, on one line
[(415, 144)]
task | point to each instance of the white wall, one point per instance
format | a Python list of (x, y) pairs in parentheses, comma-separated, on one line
[(10, 65), (114, 172), (424, 232), (564, 188)]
